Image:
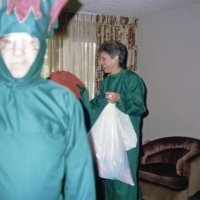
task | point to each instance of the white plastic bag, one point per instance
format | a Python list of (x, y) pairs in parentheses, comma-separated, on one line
[(110, 137)]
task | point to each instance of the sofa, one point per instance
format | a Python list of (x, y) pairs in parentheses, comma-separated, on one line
[(169, 168)]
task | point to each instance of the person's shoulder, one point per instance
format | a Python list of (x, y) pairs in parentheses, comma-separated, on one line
[(133, 78), (133, 74), (56, 86), (57, 89)]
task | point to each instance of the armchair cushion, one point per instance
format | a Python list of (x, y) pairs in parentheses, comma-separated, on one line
[(163, 174)]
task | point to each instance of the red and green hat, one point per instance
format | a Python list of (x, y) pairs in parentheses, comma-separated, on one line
[(36, 17)]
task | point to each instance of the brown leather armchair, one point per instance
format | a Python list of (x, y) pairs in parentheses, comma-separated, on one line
[(169, 168)]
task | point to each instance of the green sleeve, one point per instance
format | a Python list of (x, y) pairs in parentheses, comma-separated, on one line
[(79, 181), (132, 98), (96, 105)]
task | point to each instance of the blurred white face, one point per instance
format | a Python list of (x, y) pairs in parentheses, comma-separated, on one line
[(19, 51)]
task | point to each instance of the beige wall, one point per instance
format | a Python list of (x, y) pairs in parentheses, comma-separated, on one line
[(169, 62)]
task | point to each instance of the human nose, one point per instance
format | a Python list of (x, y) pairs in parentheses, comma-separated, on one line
[(18, 48)]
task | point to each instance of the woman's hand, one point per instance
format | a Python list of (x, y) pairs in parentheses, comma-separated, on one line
[(112, 97)]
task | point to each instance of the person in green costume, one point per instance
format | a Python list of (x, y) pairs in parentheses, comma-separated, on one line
[(43, 142), (126, 89)]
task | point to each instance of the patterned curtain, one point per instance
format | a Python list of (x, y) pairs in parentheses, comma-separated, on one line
[(122, 29)]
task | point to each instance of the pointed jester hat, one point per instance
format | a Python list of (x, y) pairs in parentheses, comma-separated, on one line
[(36, 17)]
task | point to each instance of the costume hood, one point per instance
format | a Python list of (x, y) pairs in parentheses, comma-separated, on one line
[(38, 18)]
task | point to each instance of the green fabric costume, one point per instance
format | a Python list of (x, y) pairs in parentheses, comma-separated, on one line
[(43, 142), (131, 89)]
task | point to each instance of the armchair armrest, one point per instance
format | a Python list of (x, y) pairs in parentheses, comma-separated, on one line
[(183, 164), (194, 176)]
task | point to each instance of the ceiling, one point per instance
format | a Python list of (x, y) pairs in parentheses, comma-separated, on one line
[(128, 8)]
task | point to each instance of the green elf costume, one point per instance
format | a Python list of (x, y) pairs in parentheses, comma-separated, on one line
[(43, 144), (132, 102)]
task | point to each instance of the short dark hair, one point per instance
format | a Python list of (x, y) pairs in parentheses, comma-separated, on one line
[(115, 48)]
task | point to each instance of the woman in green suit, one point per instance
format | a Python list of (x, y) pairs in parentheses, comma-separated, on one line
[(126, 89)]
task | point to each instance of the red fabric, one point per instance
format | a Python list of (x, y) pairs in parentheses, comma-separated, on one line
[(68, 80), (55, 11), (23, 8)]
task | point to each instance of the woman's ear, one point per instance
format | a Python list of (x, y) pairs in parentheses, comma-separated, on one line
[(116, 59)]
